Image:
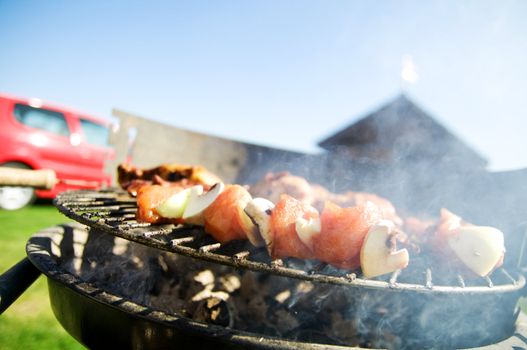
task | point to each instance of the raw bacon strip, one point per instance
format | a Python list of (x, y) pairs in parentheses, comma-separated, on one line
[(350, 199), (342, 233), (286, 242), (224, 218), (275, 184), (432, 234), (448, 225)]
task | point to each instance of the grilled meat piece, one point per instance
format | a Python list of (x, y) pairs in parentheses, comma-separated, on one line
[(132, 178), (274, 185), (224, 218), (342, 233), (458, 245)]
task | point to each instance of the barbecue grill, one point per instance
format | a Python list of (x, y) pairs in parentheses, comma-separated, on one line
[(114, 213), (420, 299)]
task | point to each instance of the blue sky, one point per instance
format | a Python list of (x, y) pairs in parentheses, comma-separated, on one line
[(279, 73)]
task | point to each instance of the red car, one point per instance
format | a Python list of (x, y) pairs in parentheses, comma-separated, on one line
[(37, 135)]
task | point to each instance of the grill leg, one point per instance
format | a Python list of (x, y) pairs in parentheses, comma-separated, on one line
[(15, 281)]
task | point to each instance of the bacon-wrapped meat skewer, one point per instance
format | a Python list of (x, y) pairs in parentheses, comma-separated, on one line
[(479, 249), (364, 232), (290, 228)]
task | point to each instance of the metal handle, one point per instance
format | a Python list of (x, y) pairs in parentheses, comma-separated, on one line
[(15, 281), (44, 178)]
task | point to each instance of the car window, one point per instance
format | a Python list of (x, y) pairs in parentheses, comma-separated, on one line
[(43, 119), (95, 134)]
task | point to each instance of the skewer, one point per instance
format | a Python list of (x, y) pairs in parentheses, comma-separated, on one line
[(394, 276), (461, 281), (428, 283), (507, 274), (489, 282)]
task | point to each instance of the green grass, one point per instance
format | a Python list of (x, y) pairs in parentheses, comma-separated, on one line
[(29, 323)]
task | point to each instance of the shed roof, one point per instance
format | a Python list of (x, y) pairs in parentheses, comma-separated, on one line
[(401, 129)]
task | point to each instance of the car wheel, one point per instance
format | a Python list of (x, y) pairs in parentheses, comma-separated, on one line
[(16, 197)]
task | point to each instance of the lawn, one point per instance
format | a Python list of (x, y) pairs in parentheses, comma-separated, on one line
[(29, 323)]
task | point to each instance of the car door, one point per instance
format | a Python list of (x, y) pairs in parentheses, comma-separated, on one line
[(94, 148)]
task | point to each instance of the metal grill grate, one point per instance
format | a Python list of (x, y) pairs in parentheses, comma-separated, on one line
[(113, 212)]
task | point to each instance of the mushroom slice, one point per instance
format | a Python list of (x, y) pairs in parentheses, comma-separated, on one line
[(259, 211), (251, 229), (480, 248), (376, 256), (306, 229)]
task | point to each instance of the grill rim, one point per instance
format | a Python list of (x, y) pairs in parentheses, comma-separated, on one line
[(67, 203)]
